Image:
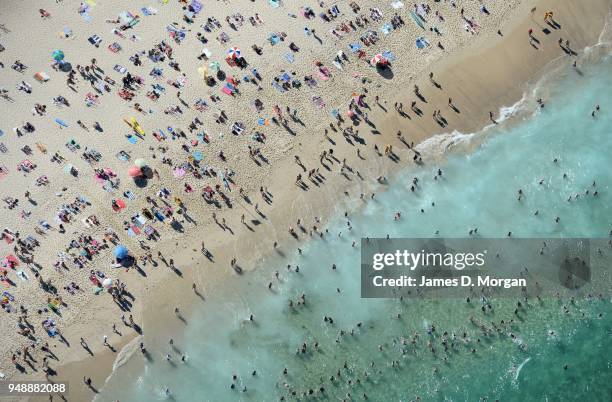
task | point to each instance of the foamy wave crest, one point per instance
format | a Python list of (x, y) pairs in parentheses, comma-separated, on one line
[(126, 352), (603, 47), (441, 144)]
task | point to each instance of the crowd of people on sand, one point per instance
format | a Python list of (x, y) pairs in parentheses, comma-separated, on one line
[(85, 249)]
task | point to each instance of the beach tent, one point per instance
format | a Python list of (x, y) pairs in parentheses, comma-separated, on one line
[(41, 76), (107, 283), (120, 252), (273, 38), (57, 55)]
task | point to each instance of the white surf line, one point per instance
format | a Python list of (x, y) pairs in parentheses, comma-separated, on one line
[(520, 367)]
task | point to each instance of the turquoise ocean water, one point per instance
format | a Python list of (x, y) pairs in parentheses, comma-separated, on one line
[(377, 353)]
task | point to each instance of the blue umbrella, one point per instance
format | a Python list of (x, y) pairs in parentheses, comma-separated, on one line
[(120, 252), (57, 55), (197, 155)]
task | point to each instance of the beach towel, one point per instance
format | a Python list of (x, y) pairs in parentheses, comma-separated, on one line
[(354, 47), (179, 173), (226, 90), (149, 230), (386, 29), (417, 19), (140, 220), (324, 73), (95, 40), (289, 57), (123, 156), (196, 6), (285, 77), (278, 87), (421, 43)]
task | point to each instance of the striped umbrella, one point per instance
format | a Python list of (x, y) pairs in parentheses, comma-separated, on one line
[(234, 53)]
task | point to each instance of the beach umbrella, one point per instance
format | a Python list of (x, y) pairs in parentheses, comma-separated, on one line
[(203, 71), (107, 283), (214, 66), (68, 168), (378, 59), (233, 53), (141, 163), (134, 171), (120, 252), (197, 155), (57, 55)]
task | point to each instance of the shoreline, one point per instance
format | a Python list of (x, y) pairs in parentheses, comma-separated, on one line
[(516, 97), (328, 205)]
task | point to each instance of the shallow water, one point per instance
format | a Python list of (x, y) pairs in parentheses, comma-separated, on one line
[(476, 190)]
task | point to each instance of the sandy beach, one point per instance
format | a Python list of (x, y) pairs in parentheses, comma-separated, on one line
[(485, 60)]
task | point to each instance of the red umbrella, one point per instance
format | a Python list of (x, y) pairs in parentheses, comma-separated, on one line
[(378, 59), (135, 171)]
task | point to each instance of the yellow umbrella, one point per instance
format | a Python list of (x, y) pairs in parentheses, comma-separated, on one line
[(203, 71)]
